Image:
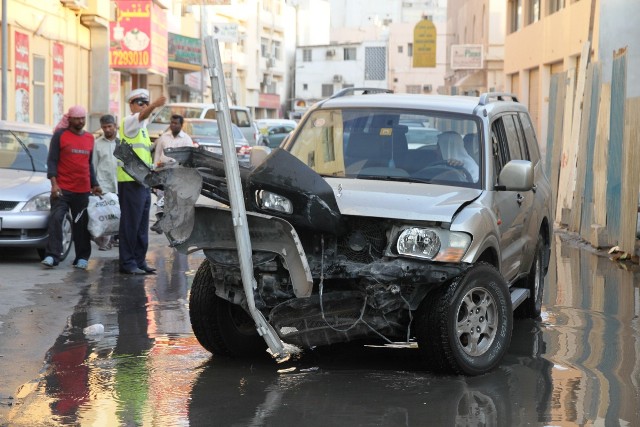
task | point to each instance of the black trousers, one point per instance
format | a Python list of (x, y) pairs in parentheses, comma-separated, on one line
[(77, 203), (135, 202)]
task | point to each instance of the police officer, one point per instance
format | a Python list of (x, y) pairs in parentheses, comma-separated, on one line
[(135, 198)]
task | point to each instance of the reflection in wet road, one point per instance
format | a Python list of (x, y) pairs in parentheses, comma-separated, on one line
[(579, 365)]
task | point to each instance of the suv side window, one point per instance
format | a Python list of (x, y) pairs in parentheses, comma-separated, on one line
[(210, 114), (508, 141), (515, 147), (530, 135)]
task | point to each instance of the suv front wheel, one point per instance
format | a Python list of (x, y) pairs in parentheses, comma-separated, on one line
[(465, 327)]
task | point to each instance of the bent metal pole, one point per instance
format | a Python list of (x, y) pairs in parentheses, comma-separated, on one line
[(236, 201)]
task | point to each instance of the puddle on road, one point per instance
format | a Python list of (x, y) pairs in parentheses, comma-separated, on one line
[(579, 365)]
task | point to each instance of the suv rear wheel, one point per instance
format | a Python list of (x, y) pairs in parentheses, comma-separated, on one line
[(465, 327)]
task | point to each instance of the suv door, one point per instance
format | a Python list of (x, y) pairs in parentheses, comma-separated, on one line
[(513, 208)]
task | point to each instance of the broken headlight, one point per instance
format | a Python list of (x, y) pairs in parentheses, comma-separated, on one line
[(273, 202), (433, 244)]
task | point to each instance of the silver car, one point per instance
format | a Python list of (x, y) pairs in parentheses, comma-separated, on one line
[(25, 189), (364, 226)]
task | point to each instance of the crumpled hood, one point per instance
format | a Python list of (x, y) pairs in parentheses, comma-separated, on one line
[(401, 200)]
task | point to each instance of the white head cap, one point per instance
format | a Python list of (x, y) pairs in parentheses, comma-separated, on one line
[(138, 94)]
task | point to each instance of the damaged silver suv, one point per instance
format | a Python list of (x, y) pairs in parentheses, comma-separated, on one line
[(384, 217)]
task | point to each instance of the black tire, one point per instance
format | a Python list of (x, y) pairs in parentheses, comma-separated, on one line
[(221, 327), (532, 306), (67, 239), (446, 310)]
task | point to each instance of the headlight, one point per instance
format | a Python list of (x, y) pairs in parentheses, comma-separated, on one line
[(39, 203), (274, 202), (433, 244)]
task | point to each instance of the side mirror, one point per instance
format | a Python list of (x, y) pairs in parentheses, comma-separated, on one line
[(258, 154), (517, 175)]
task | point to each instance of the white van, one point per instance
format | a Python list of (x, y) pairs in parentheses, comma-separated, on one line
[(240, 116)]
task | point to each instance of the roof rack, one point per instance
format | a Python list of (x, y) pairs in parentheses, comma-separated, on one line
[(365, 91), (485, 98)]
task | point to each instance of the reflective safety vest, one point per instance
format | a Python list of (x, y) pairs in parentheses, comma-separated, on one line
[(141, 144)]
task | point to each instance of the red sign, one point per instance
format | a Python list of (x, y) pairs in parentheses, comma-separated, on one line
[(139, 36), (269, 100), (21, 71), (58, 82), (114, 93)]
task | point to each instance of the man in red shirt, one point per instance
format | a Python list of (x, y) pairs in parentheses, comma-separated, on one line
[(72, 180)]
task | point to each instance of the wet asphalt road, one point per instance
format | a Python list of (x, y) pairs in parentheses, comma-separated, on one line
[(578, 365)]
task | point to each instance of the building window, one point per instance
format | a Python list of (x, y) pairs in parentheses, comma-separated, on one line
[(375, 63), (555, 5), (349, 54), (410, 50), (306, 55), (327, 90), (276, 46), (38, 88), (533, 11), (305, 86), (264, 47), (400, 49), (515, 15), (414, 89)]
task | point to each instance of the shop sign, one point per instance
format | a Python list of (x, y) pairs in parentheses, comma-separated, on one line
[(466, 57), (58, 82), (210, 2), (424, 44), (269, 100), (21, 71), (184, 52), (114, 93), (139, 36), (225, 31)]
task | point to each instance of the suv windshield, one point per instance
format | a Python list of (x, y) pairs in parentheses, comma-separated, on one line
[(429, 147)]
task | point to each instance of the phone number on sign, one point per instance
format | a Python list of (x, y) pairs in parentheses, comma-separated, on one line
[(130, 58)]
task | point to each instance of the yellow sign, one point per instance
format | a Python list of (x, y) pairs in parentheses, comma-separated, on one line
[(424, 44)]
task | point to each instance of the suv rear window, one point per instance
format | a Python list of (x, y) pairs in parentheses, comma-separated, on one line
[(392, 144)]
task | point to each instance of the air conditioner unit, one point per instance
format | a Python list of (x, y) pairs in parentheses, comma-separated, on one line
[(331, 52), (75, 4), (337, 78), (427, 88), (271, 62)]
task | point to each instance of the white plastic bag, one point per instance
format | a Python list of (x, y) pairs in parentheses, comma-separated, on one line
[(104, 215)]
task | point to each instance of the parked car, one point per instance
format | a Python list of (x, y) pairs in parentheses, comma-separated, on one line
[(25, 189), (206, 133), (274, 131), (355, 235), (240, 116)]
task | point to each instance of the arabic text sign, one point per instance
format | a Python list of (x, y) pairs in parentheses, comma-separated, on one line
[(138, 36), (225, 31), (424, 44), (58, 82), (184, 52), (466, 57), (21, 72)]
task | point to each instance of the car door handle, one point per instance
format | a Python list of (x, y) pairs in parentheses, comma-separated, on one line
[(520, 198)]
